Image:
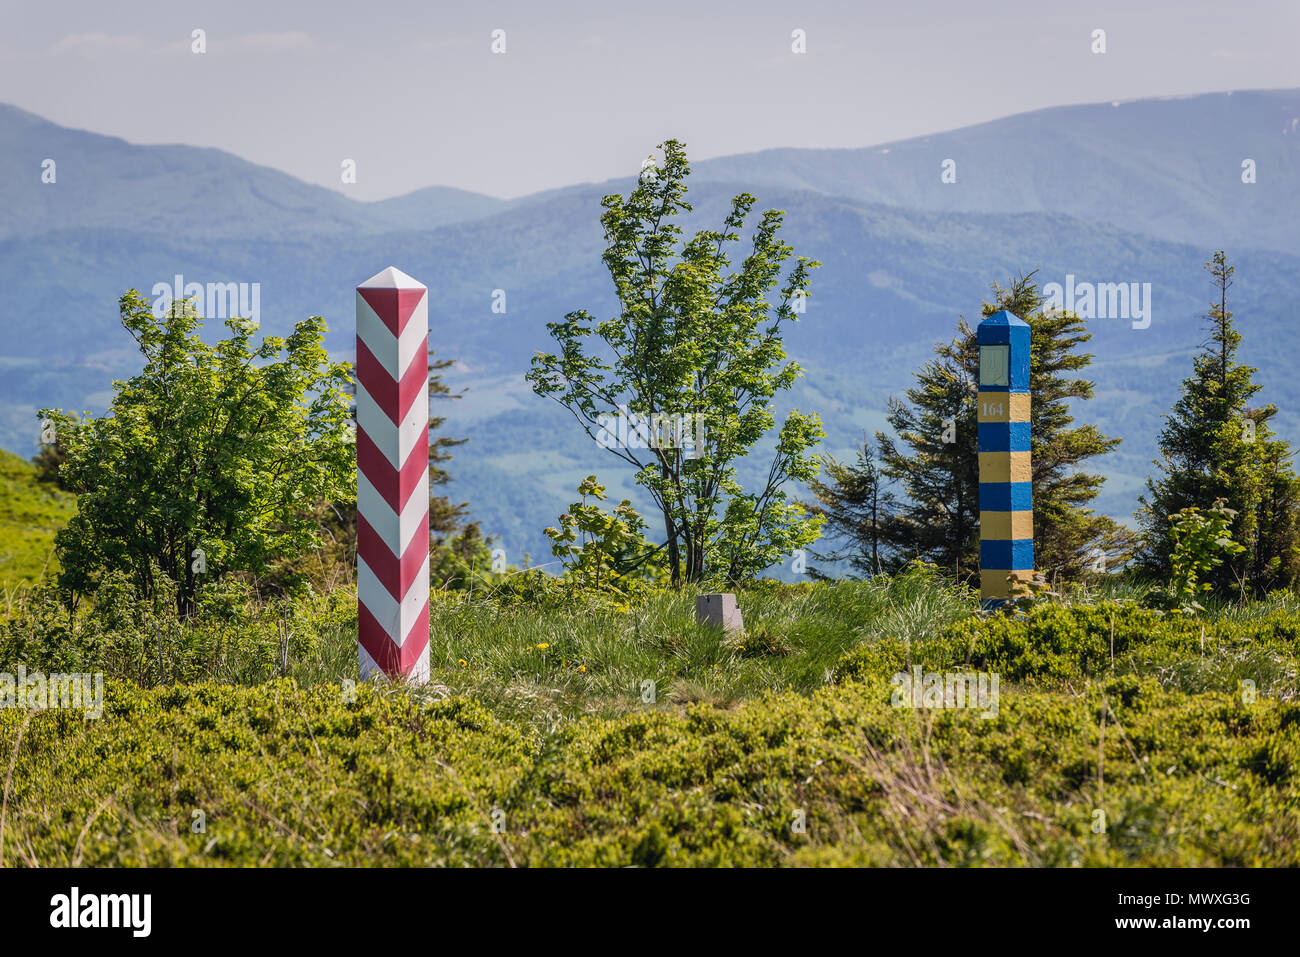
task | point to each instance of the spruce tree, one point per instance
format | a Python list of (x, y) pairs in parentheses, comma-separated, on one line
[(446, 518), (1214, 445), (1070, 539), (857, 506), (936, 460)]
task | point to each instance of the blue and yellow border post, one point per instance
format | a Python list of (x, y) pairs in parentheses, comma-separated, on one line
[(1006, 489)]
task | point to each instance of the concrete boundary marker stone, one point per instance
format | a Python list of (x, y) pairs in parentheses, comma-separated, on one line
[(721, 611)]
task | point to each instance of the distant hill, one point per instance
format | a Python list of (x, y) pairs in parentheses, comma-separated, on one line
[(103, 182), (1134, 193), (1168, 167)]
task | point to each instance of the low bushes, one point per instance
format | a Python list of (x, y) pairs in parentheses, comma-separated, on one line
[(133, 640), (1056, 644), (284, 775), (536, 743)]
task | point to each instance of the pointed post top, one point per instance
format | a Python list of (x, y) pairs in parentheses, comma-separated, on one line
[(1003, 327), (391, 278), (1004, 342), (1004, 318)]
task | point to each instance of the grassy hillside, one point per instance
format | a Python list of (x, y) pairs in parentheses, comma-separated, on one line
[(536, 745), (30, 513)]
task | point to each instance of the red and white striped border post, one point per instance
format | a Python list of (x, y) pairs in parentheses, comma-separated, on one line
[(393, 477)]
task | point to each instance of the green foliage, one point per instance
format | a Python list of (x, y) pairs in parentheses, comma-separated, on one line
[(603, 552), (1214, 446), (50, 456), (229, 638), (541, 714), (940, 516), (459, 560), (31, 512), (484, 642), (696, 341), (287, 776), (793, 637), (857, 506), (933, 459), (220, 449), (1029, 593), (1201, 542), (1059, 646)]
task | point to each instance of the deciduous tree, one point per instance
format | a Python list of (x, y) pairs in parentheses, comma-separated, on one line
[(209, 459), (694, 340)]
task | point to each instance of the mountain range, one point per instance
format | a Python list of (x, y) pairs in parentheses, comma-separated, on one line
[(1131, 192)]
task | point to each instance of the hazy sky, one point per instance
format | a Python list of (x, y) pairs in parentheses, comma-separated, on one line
[(414, 94)]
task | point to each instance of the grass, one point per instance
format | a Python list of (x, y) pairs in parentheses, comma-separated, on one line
[(599, 661), (30, 514), (283, 775), (524, 662), (781, 749), (582, 734)]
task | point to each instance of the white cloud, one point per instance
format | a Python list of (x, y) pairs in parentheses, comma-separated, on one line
[(277, 42), (94, 43)]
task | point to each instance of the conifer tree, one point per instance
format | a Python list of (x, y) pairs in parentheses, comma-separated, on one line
[(936, 458), (935, 461), (1070, 539), (1214, 445), (857, 506)]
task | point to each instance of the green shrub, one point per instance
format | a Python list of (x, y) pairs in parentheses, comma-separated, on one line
[(537, 713), (284, 775), (485, 643), (1057, 645), (231, 640)]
